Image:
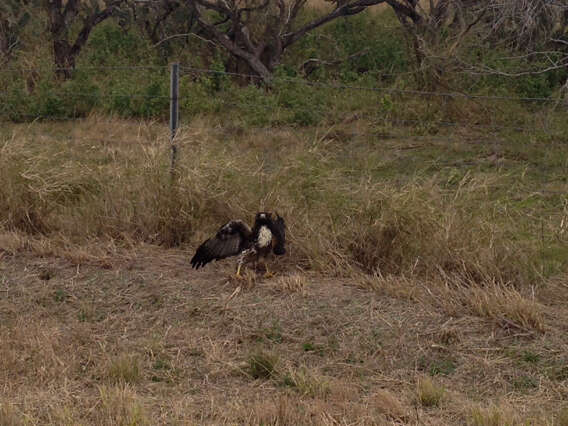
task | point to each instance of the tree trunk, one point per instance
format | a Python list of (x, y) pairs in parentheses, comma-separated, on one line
[(5, 45), (251, 56), (61, 16), (64, 59), (264, 55), (259, 68)]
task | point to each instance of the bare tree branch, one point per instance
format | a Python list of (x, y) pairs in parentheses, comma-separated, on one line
[(466, 31), (345, 10), (234, 49), (312, 64), (484, 69), (261, 30)]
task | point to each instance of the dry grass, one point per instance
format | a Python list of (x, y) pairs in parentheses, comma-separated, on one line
[(306, 382), (9, 416), (124, 369), (494, 416), (562, 418), (262, 365), (112, 183), (388, 404), (428, 393), (292, 283), (119, 405), (151, 341), (394, 271), (503, 303)]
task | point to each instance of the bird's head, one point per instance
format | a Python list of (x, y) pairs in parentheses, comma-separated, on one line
[(263, 218)]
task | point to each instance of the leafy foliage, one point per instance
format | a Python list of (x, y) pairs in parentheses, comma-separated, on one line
[(14, 16), (367, 50)]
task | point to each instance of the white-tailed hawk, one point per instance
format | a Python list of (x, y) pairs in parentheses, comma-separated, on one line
[(236, 238)]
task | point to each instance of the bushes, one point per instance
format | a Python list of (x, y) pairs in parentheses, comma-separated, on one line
[(383, 48), (510, 76), (110, 45), (110, 79), (104, 81)]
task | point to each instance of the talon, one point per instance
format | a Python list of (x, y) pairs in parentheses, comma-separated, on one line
[(238, 274), (267, 274)]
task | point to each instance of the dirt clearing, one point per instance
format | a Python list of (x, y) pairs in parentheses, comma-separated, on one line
[(150, 341)]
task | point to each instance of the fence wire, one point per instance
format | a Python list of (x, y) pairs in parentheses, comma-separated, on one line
[(96, 96), (248, 107), (375, 89), (300, 81)]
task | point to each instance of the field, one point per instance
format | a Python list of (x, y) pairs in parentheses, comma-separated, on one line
[(425, 281)]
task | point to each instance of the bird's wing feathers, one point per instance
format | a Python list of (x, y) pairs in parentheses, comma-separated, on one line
[(229, 241), (278, 228)]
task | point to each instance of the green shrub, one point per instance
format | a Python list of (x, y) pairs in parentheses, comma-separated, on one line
[(385, 48), (111, 45)]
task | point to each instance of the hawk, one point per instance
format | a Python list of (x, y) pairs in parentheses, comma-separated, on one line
[(236, 238)]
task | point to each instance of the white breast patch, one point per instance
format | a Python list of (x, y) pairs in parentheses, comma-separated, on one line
[(264, 236)]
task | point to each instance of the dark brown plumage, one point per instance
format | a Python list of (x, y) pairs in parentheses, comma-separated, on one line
[(237, 238)]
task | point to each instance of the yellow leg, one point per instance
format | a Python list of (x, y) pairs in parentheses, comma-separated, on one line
[(238, 274), (267, 274)]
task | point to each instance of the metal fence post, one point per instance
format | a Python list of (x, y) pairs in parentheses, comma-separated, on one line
[(174, 113)]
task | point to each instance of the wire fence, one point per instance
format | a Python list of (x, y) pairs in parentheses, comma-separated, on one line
[(490, 125), (305, 82), (379, 89)]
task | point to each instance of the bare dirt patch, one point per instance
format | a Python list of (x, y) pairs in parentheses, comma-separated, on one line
[(147, 340)]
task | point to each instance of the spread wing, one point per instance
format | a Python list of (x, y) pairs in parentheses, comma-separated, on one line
[(230, 240), (279, 235)]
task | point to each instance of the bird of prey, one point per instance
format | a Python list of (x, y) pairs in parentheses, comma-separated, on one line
[(236, 238)]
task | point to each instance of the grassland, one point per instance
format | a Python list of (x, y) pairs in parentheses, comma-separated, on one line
[(425, 281)]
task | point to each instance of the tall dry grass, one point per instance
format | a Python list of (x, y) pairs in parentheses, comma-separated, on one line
[(110, 180)]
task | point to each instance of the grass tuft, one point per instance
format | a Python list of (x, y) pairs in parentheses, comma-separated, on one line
[(120, 405), (493, 416), (562, 417), (10, 417), (506, 305), (388, 404), (429, 394), (262, 365), (294, 283), (306, 382), (124, 369)]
